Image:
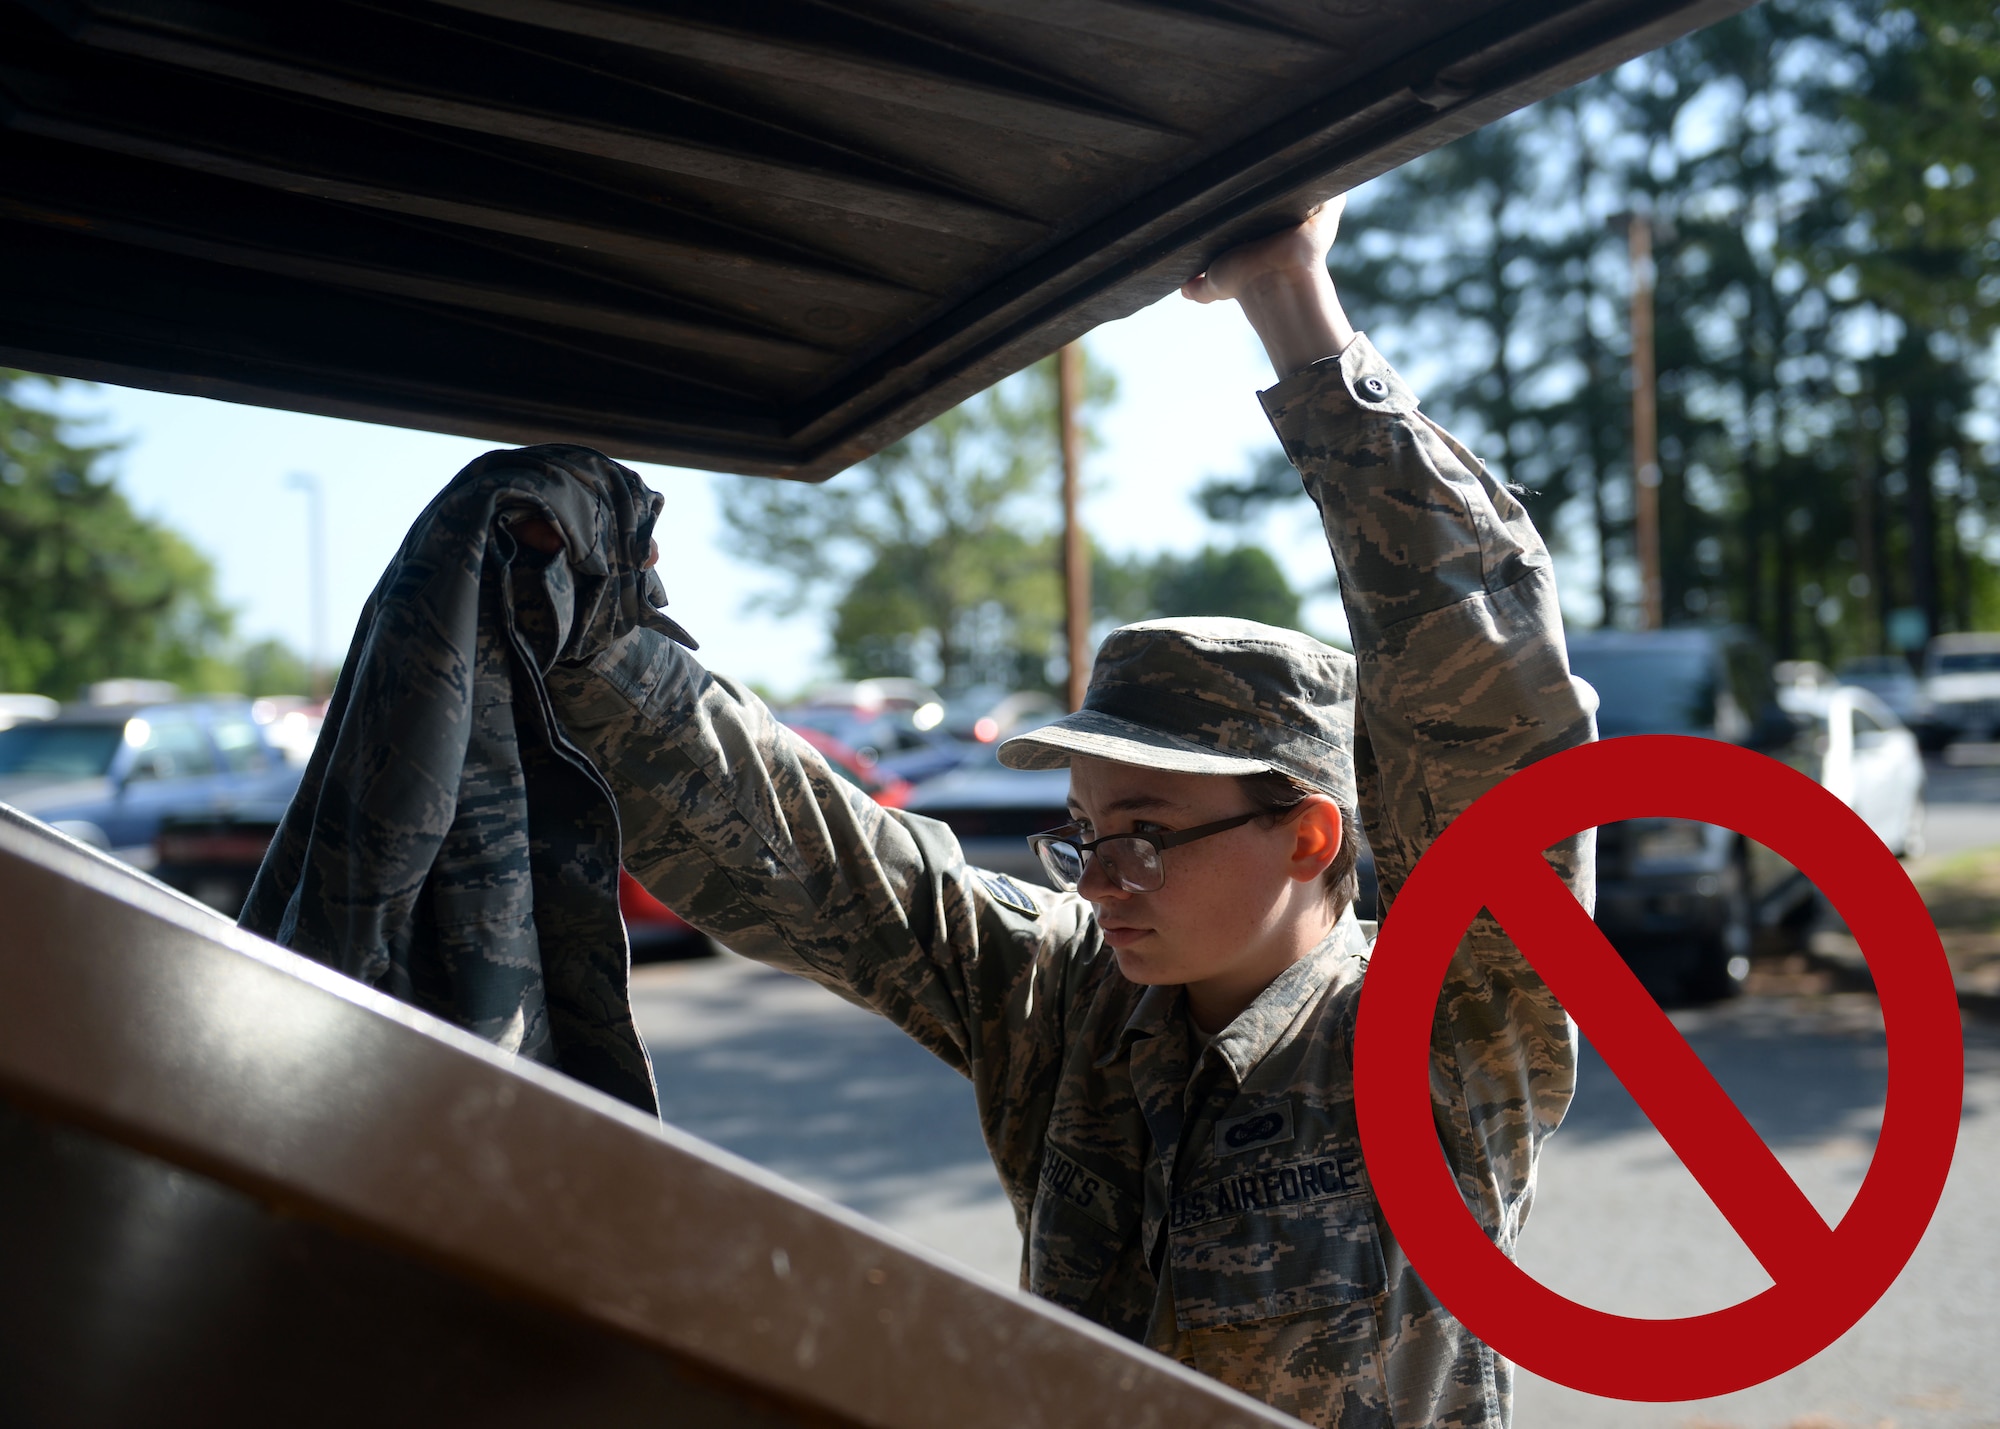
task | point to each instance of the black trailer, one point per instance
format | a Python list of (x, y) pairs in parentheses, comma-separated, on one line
[(761, 236)]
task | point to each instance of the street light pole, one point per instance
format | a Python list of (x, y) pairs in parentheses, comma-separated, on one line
[(1075, 547), (315, 573), (1645, 424)]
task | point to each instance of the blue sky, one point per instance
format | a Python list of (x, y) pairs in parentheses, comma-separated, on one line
[(1187, 409)]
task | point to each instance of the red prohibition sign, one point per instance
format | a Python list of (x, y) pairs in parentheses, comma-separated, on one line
[(1824, 1279)]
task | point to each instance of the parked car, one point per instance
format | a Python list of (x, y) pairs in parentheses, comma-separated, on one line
[(989, 714), (872, 776), (108, 774), (1962, 683), (993, 809), (1891, 680), (884, 692), (886, 739), (24, 709), (214, 856), (653, 931), (1684, 901), (911, 703), (1867, 758), (292, 723)]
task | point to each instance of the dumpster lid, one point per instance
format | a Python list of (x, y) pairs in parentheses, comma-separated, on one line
[(764, 236)]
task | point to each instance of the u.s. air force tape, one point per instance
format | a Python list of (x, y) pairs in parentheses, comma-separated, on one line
[(1008, 893)]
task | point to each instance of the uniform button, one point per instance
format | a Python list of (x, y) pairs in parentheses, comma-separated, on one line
[(1375, 387)]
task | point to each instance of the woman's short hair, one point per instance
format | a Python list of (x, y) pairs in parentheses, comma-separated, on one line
[(1279, 796)]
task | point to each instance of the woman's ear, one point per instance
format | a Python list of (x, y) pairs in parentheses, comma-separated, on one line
[(1316, 837)]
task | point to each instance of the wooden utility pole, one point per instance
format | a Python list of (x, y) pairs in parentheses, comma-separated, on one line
[(1874, 600), (1645, 424), (1075, 548)]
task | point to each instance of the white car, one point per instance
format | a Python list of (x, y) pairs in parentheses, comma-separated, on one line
[(21, 709), (1868, 759)]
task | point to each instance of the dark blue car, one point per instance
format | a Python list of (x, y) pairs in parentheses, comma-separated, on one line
[(108, 774)]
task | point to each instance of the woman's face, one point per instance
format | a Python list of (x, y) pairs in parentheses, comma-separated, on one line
[(1232, 904)]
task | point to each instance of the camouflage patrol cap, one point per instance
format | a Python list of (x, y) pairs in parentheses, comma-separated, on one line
[(1209, 695)]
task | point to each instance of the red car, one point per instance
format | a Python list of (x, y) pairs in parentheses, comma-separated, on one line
[(658, 934)]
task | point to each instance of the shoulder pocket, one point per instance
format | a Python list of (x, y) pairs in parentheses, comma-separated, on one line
[(1258, 1262)]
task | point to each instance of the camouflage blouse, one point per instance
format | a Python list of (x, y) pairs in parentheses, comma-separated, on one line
[(1215, 1207), (447, 845)]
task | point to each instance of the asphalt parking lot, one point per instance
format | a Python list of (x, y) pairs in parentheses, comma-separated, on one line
[(1620, 1225), (791, 1077)]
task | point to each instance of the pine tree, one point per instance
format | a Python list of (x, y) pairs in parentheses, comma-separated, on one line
[(89, 588)]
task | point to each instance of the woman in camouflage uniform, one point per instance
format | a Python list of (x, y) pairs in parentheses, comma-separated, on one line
[(1163, 1056)]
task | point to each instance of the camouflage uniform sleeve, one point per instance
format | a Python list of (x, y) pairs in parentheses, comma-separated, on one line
[(1463, 679), (742, 829)]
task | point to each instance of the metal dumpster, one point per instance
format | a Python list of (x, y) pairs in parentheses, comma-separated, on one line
[(237, 1189)]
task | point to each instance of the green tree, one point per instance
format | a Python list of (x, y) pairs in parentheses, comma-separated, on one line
[(1923, 203), (89, 588), (1241, 581), (937, 557), (271, 667), (1240, 501), (1817, 175), (1924, 180)]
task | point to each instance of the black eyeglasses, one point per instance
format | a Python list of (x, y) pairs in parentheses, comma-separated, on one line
[(1132, 861)]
